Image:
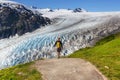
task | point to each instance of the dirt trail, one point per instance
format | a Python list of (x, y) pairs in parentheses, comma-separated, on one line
[(68, 69)]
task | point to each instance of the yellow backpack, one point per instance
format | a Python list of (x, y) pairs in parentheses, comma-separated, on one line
[(58, 45)]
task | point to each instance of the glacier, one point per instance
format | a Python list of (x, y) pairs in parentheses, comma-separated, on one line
[(76, 30)]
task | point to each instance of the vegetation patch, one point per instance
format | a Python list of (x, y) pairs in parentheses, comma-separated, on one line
[(105, 55), (20, 72)]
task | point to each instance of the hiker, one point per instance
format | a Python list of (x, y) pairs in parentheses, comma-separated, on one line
[(59, 46)]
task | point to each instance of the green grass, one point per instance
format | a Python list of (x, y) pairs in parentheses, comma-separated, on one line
[(105, 55), (20, 72)]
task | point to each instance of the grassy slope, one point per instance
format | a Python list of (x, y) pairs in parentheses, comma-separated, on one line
[(20, 72), (105, 55)]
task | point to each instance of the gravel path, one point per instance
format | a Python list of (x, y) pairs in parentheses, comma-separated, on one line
[(68, 69)]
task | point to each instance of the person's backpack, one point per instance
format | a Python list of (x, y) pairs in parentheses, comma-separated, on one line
[(58, 44)]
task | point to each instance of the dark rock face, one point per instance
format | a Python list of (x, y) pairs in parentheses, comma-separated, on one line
[(51, 10), (77, 10), (16, 19)]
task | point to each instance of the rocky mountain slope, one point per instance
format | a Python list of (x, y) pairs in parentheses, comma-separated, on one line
[(15, 18)]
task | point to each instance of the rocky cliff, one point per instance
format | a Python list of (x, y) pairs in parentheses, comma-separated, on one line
[(17, 19)]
